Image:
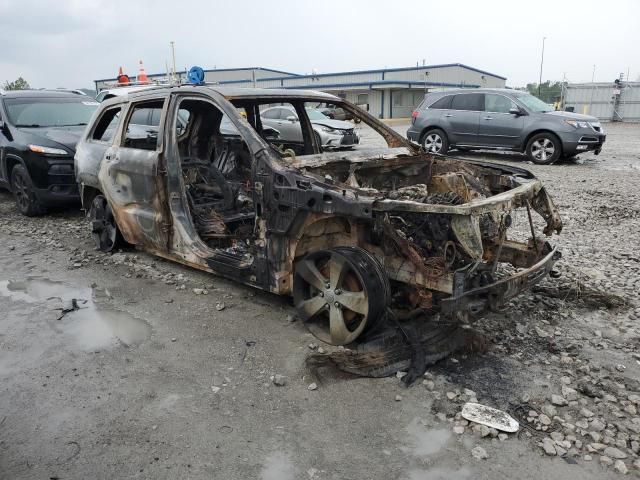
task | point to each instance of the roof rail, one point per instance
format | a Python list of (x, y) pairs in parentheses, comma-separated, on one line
[(150, 83)]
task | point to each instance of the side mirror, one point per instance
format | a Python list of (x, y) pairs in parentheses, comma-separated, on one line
[(516, 111), (292, 118)]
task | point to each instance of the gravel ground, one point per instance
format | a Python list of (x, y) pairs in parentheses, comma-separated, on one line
[(165, 372)]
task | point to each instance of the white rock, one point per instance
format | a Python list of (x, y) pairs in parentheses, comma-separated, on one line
[(479, 453), (620, 467), (614, 453), (558, 400), (545, 420), (604, 460), (312, 386), (548, 446), (569, 393), (586, 413), (279, 380)]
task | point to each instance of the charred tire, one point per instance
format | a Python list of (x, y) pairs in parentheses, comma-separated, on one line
[(340, 293), (23, 191), (544, 148), (104, 229), (435, 141)]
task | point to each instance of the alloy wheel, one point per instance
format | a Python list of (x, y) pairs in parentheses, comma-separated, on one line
[(542, 149), (21, 191), (338, 294), (433, 143)]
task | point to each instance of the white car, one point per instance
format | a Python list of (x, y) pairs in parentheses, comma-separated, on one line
[(329, 133)]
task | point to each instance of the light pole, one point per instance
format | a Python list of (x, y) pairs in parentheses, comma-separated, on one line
[(173, 61), (541, 62)]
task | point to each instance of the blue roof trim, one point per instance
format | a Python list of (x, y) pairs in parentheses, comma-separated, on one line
[(366, 84)]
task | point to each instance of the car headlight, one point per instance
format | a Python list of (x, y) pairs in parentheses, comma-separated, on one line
[(577, 124), (329, 130), (47, 150)]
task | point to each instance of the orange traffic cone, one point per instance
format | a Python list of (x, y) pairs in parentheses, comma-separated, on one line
[(142, 75), (123, 79)]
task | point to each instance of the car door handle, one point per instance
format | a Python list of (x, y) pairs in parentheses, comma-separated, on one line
[(488, 118), (448, 115)]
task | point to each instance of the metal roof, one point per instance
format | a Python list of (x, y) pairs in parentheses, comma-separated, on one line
[(353, 72), (240, 92)]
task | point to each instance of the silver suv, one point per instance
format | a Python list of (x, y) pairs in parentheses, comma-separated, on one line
[(490, 118)]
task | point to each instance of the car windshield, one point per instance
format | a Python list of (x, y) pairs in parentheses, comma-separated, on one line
[(315, 114), (534, 104), (50, 112)]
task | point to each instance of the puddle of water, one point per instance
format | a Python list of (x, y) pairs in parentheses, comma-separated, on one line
[(35, 290), (92, 326), (278, 466), (425, 441)]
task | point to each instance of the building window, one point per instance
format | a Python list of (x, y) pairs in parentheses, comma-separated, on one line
[(363, 99)]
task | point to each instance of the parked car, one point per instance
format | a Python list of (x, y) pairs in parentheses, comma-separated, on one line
[(502, 119), (336, 113), (329, 133), (349, 234), (38, 134)]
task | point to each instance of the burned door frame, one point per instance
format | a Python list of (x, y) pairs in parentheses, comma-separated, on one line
[(134, 185), (186, 244)]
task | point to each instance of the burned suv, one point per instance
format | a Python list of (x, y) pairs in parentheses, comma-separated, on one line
[(356, 236)]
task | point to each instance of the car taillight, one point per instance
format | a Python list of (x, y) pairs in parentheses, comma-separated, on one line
[(414, 115)]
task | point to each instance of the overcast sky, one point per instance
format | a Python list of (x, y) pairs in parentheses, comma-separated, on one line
[(70, 43)]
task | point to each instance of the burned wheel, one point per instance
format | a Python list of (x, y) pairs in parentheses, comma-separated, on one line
[(104, 229), (340, 293)]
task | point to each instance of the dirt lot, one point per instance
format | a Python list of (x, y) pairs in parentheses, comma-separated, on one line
[(150, 379)]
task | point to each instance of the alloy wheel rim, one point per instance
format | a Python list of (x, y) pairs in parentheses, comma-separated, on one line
[(433, 143), (543, 149), (21, 192), (335, 307)]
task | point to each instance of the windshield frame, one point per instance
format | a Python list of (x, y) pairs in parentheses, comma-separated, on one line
[(14, 108), (532, 107)]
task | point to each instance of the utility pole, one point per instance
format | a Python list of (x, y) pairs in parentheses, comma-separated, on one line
[(593, 87), (173, 56), (541, 63)]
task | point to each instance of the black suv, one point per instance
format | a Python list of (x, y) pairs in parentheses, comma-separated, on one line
[(39, 130)]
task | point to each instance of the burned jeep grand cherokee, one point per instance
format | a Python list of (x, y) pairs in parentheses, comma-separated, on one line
[(351, 235)]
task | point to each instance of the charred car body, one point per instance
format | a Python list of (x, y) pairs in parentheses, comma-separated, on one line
[(350, 235)]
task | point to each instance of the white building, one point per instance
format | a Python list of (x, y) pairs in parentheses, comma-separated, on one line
[(387, 92)]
